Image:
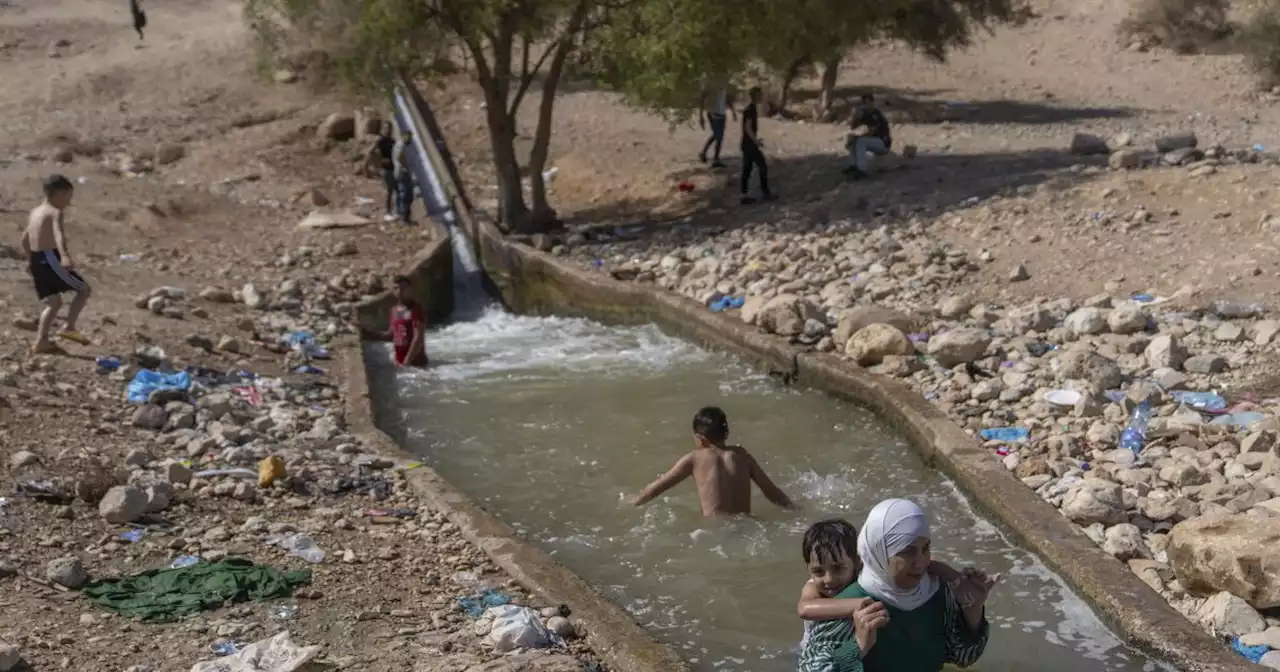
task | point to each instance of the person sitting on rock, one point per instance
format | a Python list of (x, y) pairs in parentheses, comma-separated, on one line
[(722, 472), (870, 137)]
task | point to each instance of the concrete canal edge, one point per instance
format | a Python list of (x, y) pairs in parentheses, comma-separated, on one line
[(619, 641), (534, 282)]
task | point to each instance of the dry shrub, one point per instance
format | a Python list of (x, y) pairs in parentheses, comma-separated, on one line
[(1260, 41), (1185, 26)]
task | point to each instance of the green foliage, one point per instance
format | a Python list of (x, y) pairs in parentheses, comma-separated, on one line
[(1260, 41), (1185, 26)]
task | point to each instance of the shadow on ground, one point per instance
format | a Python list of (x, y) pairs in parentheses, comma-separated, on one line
[(913, 106), (813, 190)]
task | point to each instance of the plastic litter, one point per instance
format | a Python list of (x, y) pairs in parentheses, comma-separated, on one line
[(147, 381), (184, 561), (270, 470), (1006, 434), (41, 491), (226, 648), (1253, 653), (106, 364), (307, 368), (302, 546), (1114, 396), (1242, 419), (1040, 349), (918, 337), (1134, 436), (1209, 402), (1002, 451), (1062, 397), (284, 612), (516, 627), (133, 536), (1143, 298), (727, 303), (390, 513), (476, 605), (229, 471), (276, 654)]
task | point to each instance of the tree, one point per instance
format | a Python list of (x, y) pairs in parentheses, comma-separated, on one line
[(512, 45)]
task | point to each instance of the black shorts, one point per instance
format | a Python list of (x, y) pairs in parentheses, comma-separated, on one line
[(50, 277)]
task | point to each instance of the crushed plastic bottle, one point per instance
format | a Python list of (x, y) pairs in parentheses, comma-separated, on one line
[(1134, 436), (107, 364), (304, 547)]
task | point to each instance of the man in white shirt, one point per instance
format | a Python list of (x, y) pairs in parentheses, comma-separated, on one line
[(713, 106)]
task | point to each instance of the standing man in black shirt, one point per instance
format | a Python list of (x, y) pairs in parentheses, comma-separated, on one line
[(752, 152), (874, 139), (139, 16), (381, 157)]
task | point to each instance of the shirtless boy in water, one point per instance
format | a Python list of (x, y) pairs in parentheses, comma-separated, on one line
[(51, 265), (723, 473)]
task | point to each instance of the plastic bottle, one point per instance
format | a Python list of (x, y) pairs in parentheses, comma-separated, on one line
[(304, 547), (1134, 436)]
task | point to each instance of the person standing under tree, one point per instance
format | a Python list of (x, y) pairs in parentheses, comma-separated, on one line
[(752, 149), (381, 158), (712, 108), (139, 16)]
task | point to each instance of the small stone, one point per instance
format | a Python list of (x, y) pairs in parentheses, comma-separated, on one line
[(138, 458), (1228, 332), (1019, 274), (123, 504), (1164, 351), (23, 458), (1205, 364), (169, 152), (177, 472), (10, 657), (67, 571), (229, 344), (198, 341), (150, 416), (561, 626), (1259, 442)]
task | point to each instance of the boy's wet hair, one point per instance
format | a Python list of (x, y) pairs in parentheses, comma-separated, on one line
[(711, 424), (56, 183), (829, 539)]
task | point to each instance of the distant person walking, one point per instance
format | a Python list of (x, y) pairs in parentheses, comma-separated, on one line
[(753, 149), (712, 109), (139, 16), (381, 158), (870, 137)]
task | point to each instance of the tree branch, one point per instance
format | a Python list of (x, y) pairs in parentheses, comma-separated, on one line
[(527, 76)]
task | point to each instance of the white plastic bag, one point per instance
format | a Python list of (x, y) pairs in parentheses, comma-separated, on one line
[(516, 627), (275, 654)]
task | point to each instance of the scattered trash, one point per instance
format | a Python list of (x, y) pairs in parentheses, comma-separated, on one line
[(1114, 396), (42, 491), (229, 471), (516, 627), (1259, 148), (918, 337), (167, 595), (727, 303), (391, 513), (1253, 653), (1134, 436), (1208, 402), (374, 486), (249, 393), (302, 546), (1006, 434), (107, 364), (1244, 419), (284, 612), (1062, 397), (1002, 451), (475, 606), (307, 368), (1040, 349), (275, 654), (129, 258), (133, 536), (1143, 298), (183, 561), (147, 381), (226, 648), (684, 187), (270, 470)]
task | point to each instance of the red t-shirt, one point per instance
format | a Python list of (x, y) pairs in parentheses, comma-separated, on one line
[(407, 320)]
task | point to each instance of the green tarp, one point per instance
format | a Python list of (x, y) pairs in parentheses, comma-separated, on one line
[(165, 595)]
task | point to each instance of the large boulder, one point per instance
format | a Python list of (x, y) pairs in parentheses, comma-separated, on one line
[(1237, 554), (1090, 366), (874, 342), (959, 346), (785, 314), (123, 504), (1229, 615), (856, 319), (1095, 501), (1127, 319)]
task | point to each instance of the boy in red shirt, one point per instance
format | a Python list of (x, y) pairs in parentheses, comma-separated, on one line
[(408, 326)]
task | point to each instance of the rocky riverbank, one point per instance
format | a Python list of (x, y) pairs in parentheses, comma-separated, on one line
[(232, 453), (1048, 386)]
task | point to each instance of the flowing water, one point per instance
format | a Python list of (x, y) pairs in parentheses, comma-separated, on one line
[(551, 423)]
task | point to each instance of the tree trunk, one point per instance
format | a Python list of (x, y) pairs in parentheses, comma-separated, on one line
[(512, 211), (789, 78), (830, 72), (544, 216)]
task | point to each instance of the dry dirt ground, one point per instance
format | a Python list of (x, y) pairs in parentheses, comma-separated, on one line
[(992, 126), (80, 95)]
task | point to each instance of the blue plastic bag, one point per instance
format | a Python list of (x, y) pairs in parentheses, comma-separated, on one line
[(1201, 401), (1253, 653), (475, 606), (147, 381), (1005, 434)]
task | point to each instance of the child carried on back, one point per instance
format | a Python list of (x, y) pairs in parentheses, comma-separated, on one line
[(830, 550)]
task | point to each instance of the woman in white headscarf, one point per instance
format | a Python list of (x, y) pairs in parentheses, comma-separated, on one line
[(914, 623)]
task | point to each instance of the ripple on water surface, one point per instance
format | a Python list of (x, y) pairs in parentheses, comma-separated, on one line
[(552, 422)]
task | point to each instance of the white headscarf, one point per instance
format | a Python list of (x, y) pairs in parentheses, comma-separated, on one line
[(892, 525)]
